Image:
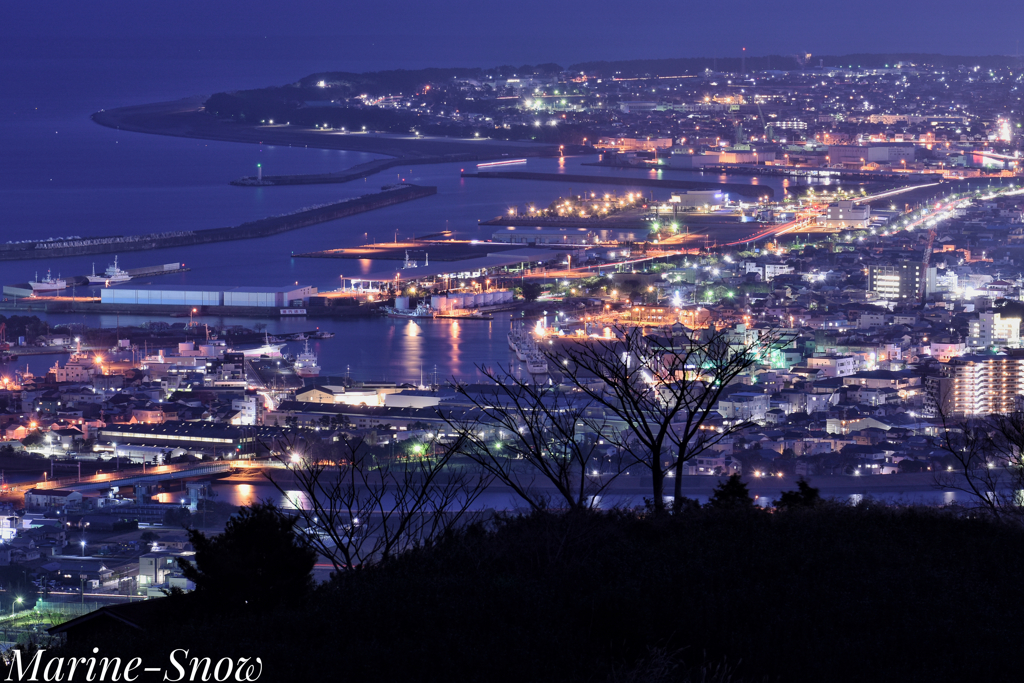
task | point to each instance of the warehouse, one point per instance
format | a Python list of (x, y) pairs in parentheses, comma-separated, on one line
[(154, 295)]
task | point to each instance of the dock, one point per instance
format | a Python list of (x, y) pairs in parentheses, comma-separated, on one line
[(23, 289), (753, 191)]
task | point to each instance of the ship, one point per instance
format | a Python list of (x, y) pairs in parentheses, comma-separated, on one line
[(421, 311), (48, 283), (521, 342), (305, 363), (111, 276), (537, 364), (268, 348)]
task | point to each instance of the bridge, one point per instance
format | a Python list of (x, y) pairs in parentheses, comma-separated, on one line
[(148, 475)]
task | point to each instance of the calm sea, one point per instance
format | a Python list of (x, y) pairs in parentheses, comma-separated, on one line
[(63, 175)]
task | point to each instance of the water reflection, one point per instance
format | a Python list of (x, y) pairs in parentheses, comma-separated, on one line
[(245, 494), (295, 500)]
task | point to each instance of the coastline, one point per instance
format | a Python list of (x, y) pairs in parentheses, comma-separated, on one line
[(186, 118)]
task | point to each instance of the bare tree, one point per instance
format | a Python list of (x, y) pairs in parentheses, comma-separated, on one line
[(988, 461), (537, 432), (663, 388), (359, 508)]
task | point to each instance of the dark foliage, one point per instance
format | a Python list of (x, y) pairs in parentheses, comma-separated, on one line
[(732, 494), (825, 594), (257, 564), (531, 290), (180, 516), (806, 496)]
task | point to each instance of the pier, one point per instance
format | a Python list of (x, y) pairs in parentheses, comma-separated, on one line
[(752, 191)]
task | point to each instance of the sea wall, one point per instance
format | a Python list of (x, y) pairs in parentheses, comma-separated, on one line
[(263, 227)]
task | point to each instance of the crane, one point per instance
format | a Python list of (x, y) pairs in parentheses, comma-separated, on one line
[(764, 122), (926, 261)]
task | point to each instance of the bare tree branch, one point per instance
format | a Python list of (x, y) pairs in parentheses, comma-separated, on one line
[(663, 388), (359, 508), (538, 433)]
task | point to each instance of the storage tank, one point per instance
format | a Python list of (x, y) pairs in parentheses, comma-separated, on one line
[(488, 298), (454, 301), (506, 296), (439, 302), (402, 303)]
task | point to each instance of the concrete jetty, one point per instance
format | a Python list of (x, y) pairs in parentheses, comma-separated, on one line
[(752, 191)]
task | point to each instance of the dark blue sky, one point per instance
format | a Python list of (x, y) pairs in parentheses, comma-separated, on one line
[(410, 33)]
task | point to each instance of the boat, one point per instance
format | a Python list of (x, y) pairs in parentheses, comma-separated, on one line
[(268, 348), (305, 363), (421, 311), (322, 334), (111, 276), (48, 283), (537, 364)]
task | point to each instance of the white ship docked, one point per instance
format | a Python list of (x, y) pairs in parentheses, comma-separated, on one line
[(522, 343), (48, 283), (111, 276), (537, 364), (305, 363), (421, 311)]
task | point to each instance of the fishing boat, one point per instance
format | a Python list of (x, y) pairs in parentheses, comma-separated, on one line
[(267, 348), (305, 363), (537, 364), (421, 311), (113, 275), (48, 283)]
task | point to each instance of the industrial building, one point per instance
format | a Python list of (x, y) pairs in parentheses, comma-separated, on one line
[(176, 295), (211, 438)]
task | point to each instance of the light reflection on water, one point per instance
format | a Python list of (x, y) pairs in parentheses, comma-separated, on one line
[(245, 494)]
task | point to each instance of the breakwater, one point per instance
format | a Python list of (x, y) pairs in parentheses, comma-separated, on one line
[(355, 172), (263, 227), (753, 191)]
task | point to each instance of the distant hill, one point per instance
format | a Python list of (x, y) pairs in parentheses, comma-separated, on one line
[(639, 68)]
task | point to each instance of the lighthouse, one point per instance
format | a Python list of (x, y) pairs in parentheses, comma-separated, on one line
[(259, 173)]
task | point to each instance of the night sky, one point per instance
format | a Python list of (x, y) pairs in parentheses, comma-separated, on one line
[(410, 33)]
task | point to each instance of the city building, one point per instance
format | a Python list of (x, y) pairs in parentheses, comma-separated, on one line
[(991, 330), (901, 282), (844, 214), (982, 385), (835, 366)]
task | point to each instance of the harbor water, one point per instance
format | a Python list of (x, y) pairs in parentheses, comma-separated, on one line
[(66, 176)]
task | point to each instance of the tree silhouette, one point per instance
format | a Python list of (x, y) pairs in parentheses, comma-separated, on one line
[(805, 496), (732, 494), (531, 290), (256, 564)]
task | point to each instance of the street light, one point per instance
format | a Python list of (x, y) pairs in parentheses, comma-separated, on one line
[(17, 601), (83, 548)]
